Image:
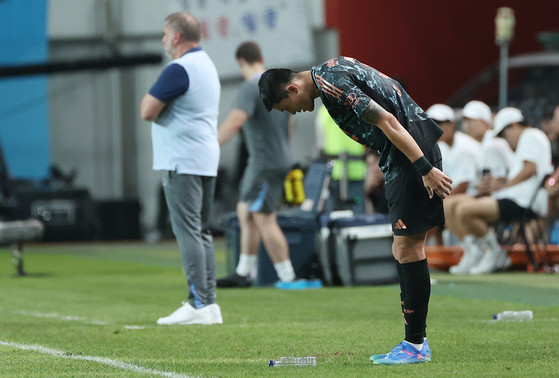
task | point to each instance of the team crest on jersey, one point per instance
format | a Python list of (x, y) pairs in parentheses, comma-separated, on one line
[(351, 100)]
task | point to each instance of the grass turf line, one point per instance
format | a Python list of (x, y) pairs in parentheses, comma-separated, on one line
[(127, 284)]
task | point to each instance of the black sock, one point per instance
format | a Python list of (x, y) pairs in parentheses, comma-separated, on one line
[(417, 283), (403, 290), (402, 286)]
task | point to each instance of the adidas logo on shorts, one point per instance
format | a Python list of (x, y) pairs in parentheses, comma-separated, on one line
[(400, 225)]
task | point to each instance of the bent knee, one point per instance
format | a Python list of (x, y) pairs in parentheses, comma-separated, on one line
[(243, 214), (410, 251)]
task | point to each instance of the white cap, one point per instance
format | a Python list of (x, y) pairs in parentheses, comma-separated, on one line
[(506, 117), (477, 110), (441, 113)]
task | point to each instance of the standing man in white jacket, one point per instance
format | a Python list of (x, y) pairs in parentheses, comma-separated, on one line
[(183, 105)]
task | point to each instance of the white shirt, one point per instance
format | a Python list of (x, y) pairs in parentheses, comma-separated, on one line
[(494, 155), (184, 135), (533, 145), (460, 160)]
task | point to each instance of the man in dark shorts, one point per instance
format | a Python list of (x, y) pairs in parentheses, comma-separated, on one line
[(267, 138), (375, 110)]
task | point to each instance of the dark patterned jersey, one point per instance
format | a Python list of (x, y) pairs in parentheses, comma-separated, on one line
[(346, 87)]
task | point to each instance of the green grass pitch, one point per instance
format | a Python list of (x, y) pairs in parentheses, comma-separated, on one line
[(89, 310)]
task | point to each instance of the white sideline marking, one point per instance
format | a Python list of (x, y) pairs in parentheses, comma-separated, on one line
[(106, 361), (71, 318), (62, 317)]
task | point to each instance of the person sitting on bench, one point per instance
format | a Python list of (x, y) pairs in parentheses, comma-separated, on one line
[(531, 163)]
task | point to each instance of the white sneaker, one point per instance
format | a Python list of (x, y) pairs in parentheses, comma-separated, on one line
[(186, 314), (492, 261), (215, 311), (471, 257)]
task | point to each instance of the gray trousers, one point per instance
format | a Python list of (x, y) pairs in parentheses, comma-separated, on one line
[(189, 199)]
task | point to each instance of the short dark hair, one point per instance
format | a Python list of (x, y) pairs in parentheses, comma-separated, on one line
[(186, 24), (272, 85), (250, 52)]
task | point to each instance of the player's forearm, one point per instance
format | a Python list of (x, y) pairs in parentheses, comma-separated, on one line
[(434, 180), (394, 131), (401, 138)]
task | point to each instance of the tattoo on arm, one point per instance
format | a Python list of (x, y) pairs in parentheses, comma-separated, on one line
[(372, 113)]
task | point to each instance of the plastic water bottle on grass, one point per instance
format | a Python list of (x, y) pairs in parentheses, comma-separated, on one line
[(293, 361), (518, 315)]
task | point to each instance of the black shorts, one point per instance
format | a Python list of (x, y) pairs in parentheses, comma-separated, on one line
[(262, 189), (411, 210), (510, 211)]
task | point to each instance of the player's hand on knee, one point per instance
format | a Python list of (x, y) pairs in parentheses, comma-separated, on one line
[(436, 182)]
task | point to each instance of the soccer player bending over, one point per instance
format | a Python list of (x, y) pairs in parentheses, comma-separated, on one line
[(374, 110)]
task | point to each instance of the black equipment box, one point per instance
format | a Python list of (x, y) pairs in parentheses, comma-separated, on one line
[(67, 215)]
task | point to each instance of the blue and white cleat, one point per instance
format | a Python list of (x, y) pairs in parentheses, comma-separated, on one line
[(301, 284), (403, 353), (425, 347), (293, 285)]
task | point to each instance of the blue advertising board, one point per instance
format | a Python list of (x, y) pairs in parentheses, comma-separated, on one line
[(24, 126)]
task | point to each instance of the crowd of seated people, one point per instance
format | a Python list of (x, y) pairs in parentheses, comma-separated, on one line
[(498, 165)]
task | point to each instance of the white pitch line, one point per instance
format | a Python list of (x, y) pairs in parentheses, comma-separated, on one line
[(62, 317), (106, 361), (72, 318)]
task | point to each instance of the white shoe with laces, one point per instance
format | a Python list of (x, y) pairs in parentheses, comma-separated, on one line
[(471, 257), (492, 261), (215, 311), (186, 314)]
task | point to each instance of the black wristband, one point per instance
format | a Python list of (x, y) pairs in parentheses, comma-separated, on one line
[(422, 165)]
